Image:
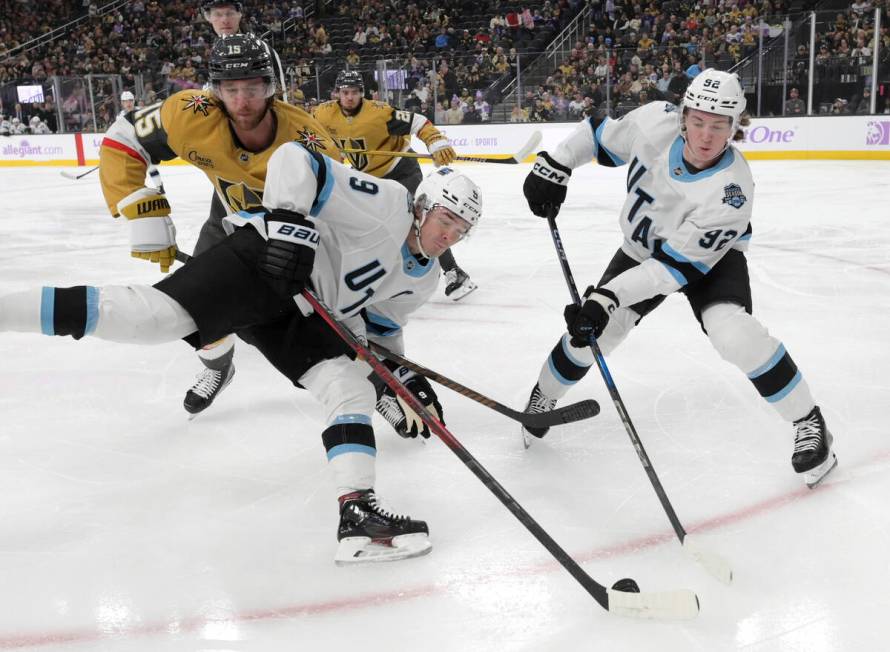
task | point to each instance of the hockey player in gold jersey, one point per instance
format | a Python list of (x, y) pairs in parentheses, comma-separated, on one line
[(356, 123), (228, 133)]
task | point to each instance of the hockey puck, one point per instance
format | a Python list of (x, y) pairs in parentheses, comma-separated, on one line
[(627, 585)]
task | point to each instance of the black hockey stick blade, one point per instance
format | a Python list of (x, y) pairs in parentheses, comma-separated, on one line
[(568, 414), (681, 604)]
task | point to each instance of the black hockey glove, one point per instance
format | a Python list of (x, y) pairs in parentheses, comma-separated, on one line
[(545, 185), (286, 261), (405, 421), (590, 318)]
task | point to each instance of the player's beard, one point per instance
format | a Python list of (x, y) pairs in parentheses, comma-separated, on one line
[(351, 113), (249, 121)]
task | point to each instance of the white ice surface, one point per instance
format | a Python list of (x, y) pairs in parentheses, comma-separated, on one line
[(126, 527)]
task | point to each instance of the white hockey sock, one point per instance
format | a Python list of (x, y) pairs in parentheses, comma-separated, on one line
[(742, 340), (211, 353), (20, 311)]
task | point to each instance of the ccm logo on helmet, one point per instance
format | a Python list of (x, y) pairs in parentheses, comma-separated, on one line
[(551, 175)]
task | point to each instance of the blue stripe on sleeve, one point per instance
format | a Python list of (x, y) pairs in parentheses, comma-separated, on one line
[(47, 311), (597, 137), (92, 310)]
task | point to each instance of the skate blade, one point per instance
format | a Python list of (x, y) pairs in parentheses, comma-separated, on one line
[(814, 476), (362, 550), (526, 437), (463, 291)]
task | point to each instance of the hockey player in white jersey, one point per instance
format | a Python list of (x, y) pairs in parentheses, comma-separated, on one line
[(366, 246), (686, 226)]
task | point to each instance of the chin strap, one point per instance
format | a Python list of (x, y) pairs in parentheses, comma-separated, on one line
[(417, 224)]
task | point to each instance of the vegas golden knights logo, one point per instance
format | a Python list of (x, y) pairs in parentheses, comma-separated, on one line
[(358, 161), (238, 197)]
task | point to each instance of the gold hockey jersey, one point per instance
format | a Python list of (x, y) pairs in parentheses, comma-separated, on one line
[(376, 126), (191, 125)]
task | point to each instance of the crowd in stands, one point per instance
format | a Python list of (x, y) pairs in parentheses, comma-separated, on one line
[(843, 62), (451, 53)]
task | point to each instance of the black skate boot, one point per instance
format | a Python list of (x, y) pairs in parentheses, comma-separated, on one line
[(458, 283), (208, 386), (369, 533), (812, 455), (537, 403)]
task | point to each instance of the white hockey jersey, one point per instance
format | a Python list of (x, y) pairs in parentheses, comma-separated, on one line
[(363, 269), (676, 222)]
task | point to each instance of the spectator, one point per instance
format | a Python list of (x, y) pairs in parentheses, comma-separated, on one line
[(794, 105), (454, 115)]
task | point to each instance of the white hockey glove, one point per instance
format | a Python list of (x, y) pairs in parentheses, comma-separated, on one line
[(152, 234)]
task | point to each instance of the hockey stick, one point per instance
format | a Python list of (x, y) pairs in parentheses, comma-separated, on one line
[(568, 414), (518, 157), (714, 563), (671, 605), (71, 175)]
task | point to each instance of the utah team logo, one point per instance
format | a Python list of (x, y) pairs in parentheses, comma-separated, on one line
[(309, 139), (878, 133), (733, 196), (197, 103), (357, 160), (239, 197)]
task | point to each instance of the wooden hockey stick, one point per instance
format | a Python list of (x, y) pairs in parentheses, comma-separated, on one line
[(513, 159), (669, 605), (71, 175), (568, 414), (714, 563)]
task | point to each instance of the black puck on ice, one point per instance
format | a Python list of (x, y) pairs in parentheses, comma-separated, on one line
[(627, 585)]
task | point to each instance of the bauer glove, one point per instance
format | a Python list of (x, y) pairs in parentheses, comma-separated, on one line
[(152, 234), (545, 186), (591, 318), (286, 261)]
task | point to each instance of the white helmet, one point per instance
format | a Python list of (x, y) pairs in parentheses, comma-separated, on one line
[(453, 190), (34, 119), (715, 91), (127, 95)]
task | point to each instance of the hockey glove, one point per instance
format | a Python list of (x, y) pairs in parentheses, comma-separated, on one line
[(545, 185), (152, 234), (287, 259), (590, 318), (405, 421), (442, 152)]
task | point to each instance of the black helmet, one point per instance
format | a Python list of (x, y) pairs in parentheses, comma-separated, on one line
[(240, 56), (349, 79), (207, 5)]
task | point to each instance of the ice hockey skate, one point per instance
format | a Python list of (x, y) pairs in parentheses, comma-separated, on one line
[(812, 455), (368, 533), (205, 390), (458, 284), (537, 403)]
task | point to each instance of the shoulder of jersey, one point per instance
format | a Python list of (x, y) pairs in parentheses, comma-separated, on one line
[(327, 106), (377, 104), (192, 103)]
